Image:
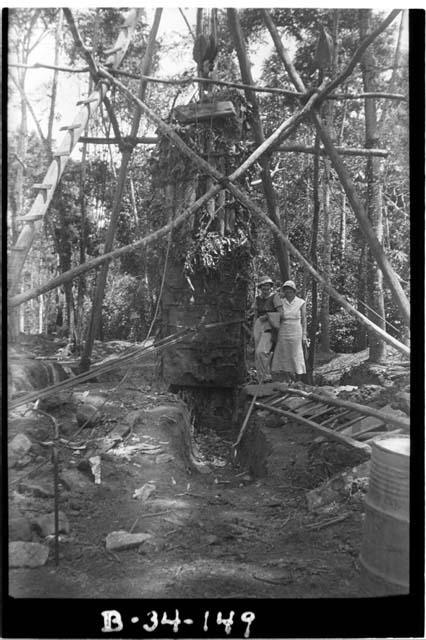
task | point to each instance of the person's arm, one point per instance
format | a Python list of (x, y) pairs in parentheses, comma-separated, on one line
[(303, 320), (278, 305)]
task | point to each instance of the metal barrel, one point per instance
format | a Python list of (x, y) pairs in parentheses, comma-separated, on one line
[(384, 556)]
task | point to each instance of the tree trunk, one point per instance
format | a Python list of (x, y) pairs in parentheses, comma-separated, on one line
[(342, 231), (256, 123), (58, 46), (314, 261), (21, 151), (374, 196), (326, 251), (360, 338), (285, 128), (392, 280)]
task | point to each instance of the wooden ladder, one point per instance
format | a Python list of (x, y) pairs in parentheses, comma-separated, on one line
[(349, 423), (32, 221)]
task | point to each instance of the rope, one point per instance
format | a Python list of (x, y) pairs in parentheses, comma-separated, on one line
[(102, 368), (133, 355), (379, 316)]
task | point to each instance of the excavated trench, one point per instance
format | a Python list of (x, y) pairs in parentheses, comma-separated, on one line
[(168, 472), (223, 410)]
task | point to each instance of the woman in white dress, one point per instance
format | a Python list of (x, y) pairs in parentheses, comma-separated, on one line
[(288, 360)]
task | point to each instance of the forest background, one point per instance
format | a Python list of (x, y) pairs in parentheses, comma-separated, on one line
[(312, 203)]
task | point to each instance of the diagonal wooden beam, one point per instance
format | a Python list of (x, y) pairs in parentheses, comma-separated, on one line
[(116, 207), (227, 181), (256, 124), (397, 291), (222, 180)]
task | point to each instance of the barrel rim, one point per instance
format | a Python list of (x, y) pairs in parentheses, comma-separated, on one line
[(378, 443)]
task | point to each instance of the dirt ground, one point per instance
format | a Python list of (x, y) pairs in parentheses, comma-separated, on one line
[(216, 531)]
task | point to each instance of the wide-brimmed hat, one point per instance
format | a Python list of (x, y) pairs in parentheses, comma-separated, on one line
[(264, 280), (290, 284)]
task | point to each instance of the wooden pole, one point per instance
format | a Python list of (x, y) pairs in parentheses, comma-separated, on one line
[(376, 249), (246, 201), (285, 128), (256, 123), (343, 151), (110, 235), (118, 141)]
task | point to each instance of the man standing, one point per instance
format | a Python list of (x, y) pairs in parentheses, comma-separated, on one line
[(267, 315)]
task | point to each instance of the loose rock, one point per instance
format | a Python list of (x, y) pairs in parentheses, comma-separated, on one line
[(37, 490), (163, 458), (57, 400), (119, 540), (340, 487), (74, 480), (46, 524), (27, 554), (144, 492), (20, 529), (20, 445), (87, 416)]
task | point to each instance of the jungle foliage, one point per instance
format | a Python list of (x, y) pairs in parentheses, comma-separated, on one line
[(74, 230)]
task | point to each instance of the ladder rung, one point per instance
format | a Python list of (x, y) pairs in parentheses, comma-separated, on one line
[(70, 127), (42, 186), (109, 52), (320, 413), (88, 100), (18, 249), (336, 416), (305, 409), (60, 153), (351, 422)]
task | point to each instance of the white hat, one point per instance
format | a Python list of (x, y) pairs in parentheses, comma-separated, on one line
[(290, 284), (264, 280)]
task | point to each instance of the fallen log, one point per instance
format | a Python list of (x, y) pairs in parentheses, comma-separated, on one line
[(328, 433)]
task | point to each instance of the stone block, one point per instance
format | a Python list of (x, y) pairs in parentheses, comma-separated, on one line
[(87, 416), (37, 490), (19, 445), (74, 480), (119, 540), (20, 529), (27, 554), (45, 524)]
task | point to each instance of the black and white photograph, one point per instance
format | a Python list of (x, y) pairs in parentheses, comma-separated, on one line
[(208, 321)]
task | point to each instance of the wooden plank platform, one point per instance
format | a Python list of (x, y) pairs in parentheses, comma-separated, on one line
[(201, 111)]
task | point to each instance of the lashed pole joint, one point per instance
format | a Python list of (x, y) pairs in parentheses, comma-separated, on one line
[(246, 201), (376, 249)]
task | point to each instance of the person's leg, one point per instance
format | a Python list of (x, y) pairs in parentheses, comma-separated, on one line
[(262, 358)]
